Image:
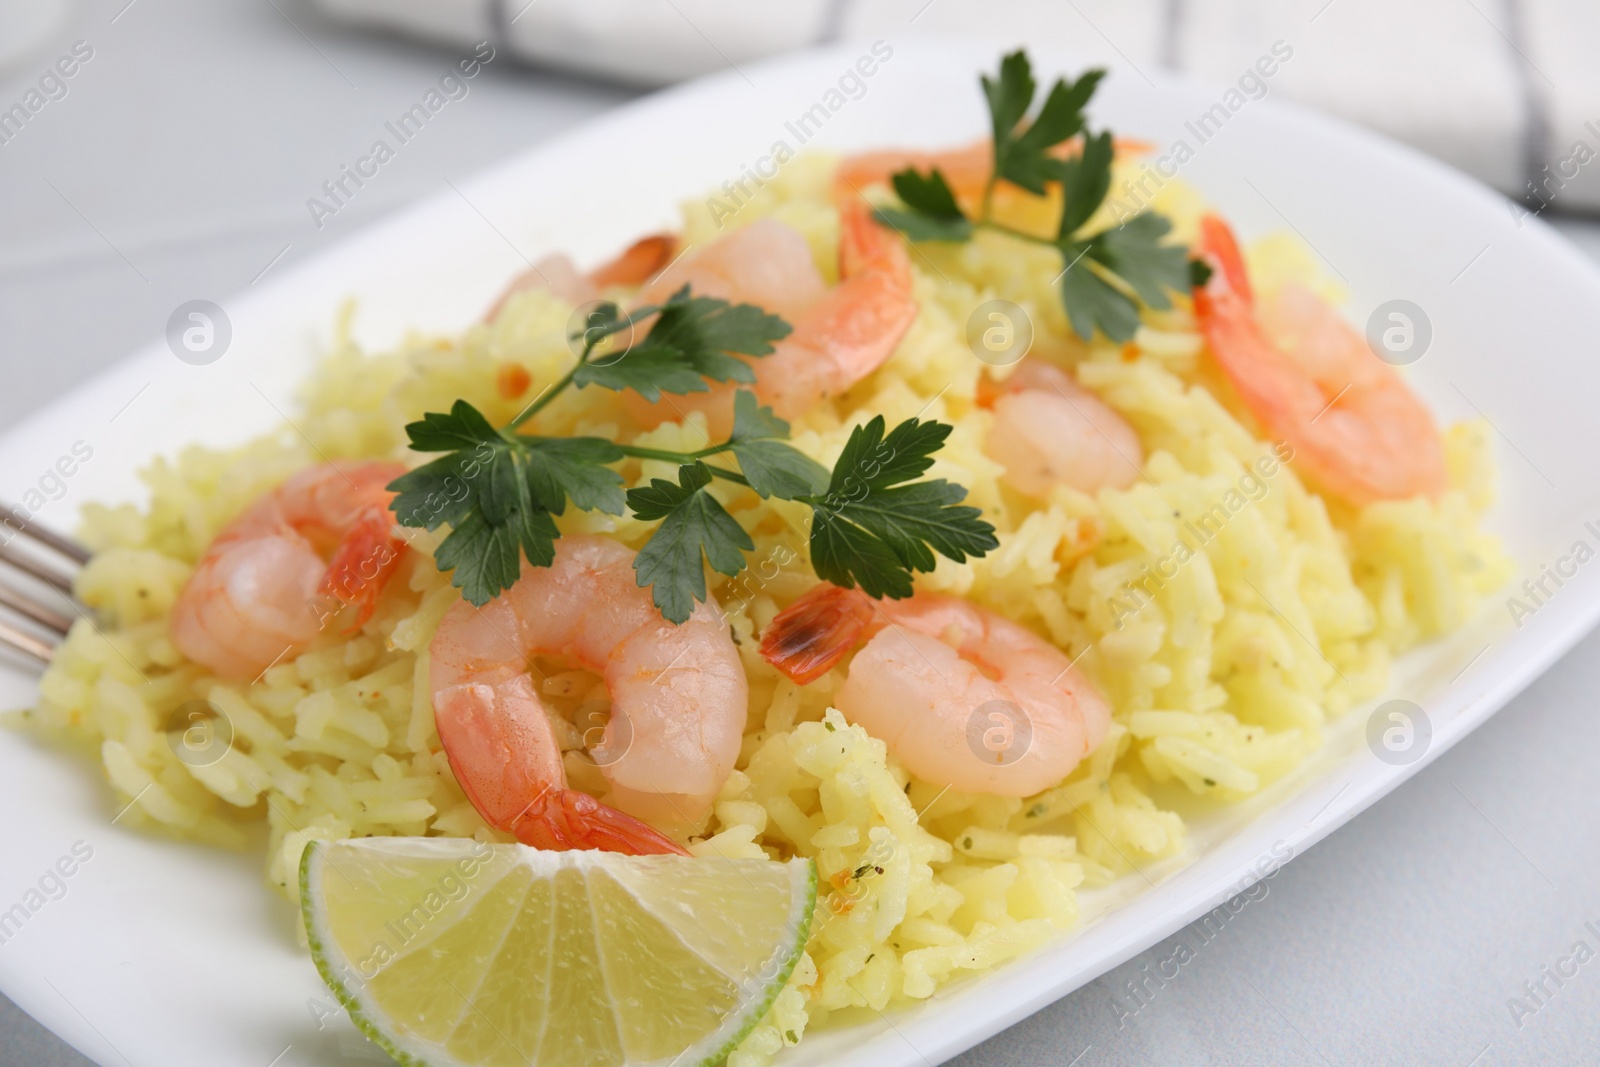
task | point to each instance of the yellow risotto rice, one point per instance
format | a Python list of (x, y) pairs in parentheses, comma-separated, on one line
[(1226, 612)]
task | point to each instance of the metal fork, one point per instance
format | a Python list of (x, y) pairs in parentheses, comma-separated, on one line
[(36, 601)]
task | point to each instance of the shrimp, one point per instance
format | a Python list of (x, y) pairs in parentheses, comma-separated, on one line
[(1048, 430), (253, 596), (560, 275), (1311, 381), (765, 263), (840, 335), (678, 696), (940, 680)]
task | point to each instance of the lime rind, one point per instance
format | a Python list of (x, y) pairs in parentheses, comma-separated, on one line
[(802, 908), (806, 903), (319, 956)]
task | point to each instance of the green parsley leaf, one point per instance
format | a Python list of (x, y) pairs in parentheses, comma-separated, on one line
[(560, 467), (1091, 302), (1199, 273), (917, 520), (1023, 158), (915, 227), (869, 457), (929, 195), (848, 555), (444, 491), (776, 469), (484, 469), (606, 319), (1085, 181), (1027, 161), (932, 212), (499, 494), (483, 555), (693, 339), (649, 370), (464, 427), (1134, 252), (499, 491), (753, 420), (718, 327), (437, 493), (1104, 271), (1009, 96), (872, 531), (772, 467), (693, 524)]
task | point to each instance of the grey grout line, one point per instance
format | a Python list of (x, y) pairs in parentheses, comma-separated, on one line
[(500, 22), (1513, 45), (833, 21), (1172, 24), (1536, 110), (313, 44)]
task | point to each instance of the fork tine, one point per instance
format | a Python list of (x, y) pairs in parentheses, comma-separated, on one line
[(22, 605), (27, 603), (26, 643), (43, 534), (26, 563)]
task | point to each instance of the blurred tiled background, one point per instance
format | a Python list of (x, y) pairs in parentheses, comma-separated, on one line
[(1499, 88), (178, 163)]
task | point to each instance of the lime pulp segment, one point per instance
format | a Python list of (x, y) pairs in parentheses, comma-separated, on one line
[(448, 951)]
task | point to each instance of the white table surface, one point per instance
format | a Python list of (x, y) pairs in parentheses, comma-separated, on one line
[(178, 166)]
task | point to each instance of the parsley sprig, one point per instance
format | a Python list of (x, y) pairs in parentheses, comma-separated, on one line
[(875, 525), (1108, 272), (499, 490)]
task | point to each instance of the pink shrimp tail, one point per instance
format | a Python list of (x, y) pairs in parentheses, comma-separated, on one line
[(634, 265), (1355, 427), (501, 750), (809, 637), (864, 245), (637, 263), (563, 819), (1229, 277), (363, 563)]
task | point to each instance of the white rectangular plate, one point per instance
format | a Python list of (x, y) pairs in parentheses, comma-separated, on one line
[(168, 953)]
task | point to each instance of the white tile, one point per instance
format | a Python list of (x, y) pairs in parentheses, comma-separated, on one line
[(659, 42), (1432, 73), (1126, 32)]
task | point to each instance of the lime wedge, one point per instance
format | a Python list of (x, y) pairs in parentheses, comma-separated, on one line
[(450, 952)]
